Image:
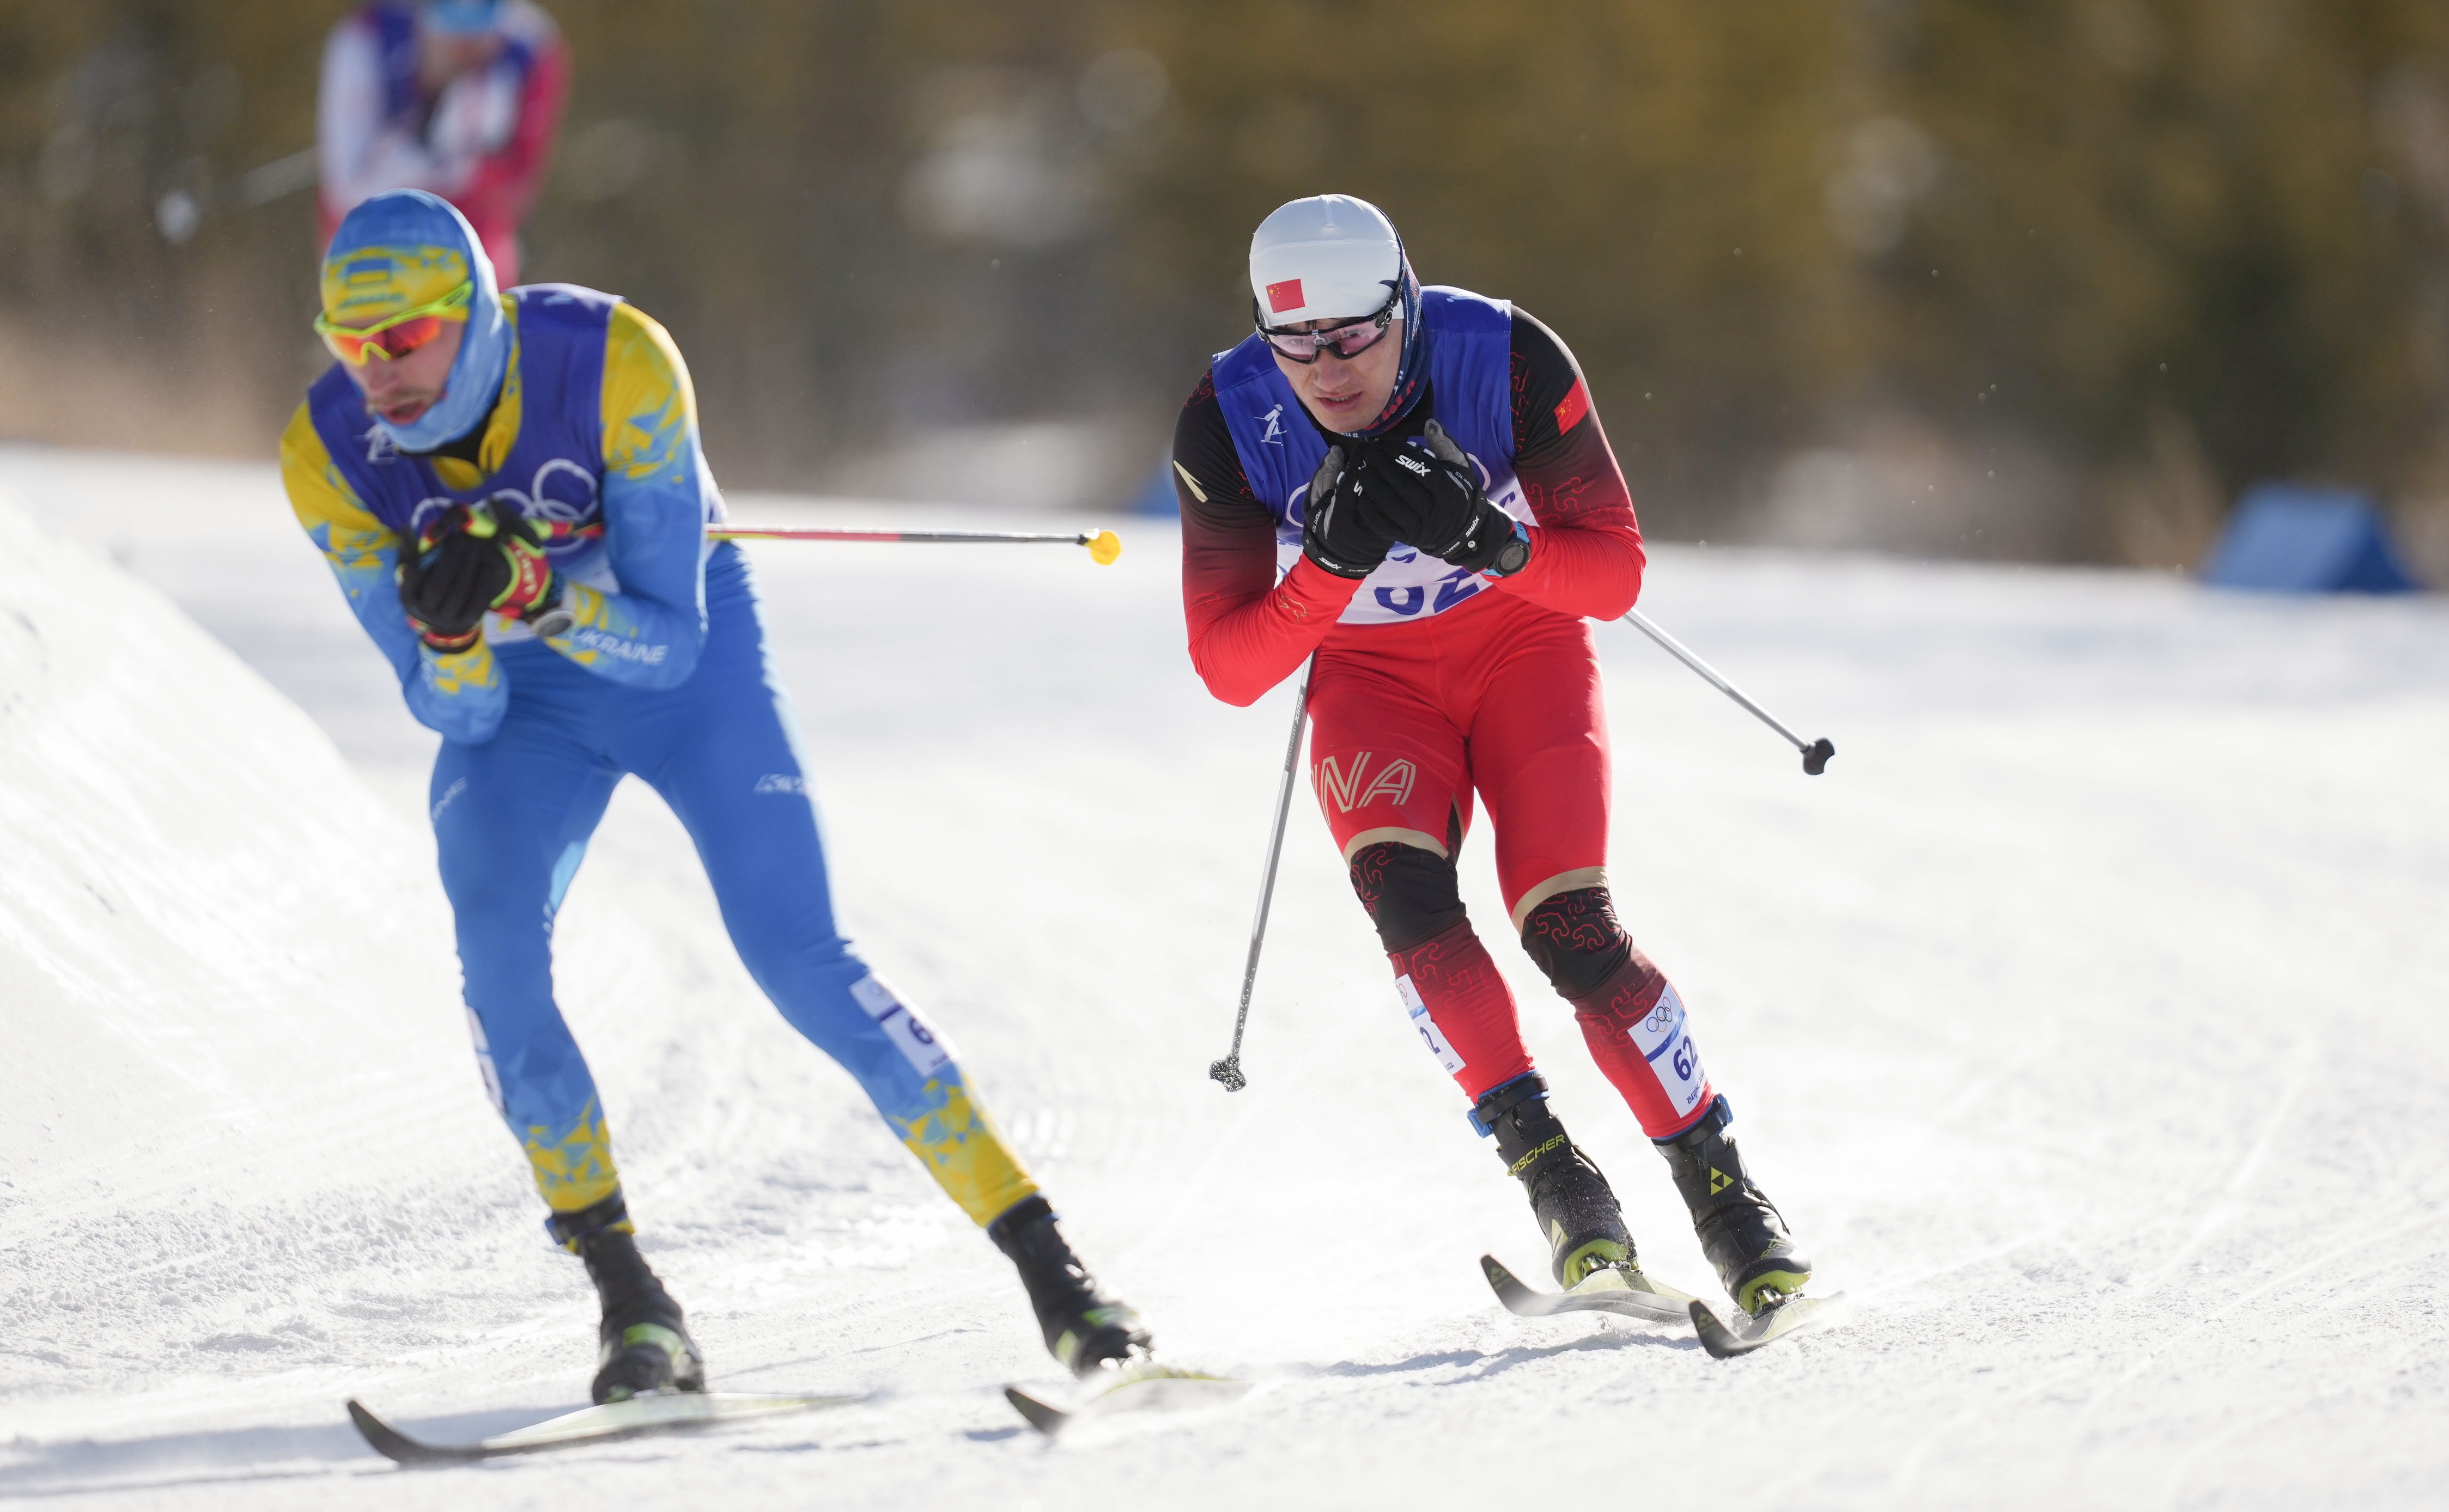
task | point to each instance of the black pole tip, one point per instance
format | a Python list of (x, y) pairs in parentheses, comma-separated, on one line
[(1229, 1072), (1816, 755)]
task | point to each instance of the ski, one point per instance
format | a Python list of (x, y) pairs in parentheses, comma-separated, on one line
[(653, 1413), (1727, 1340), (1608, 1290), (1141, 1388)]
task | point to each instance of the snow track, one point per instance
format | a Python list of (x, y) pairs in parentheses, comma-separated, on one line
[(2085, 1019)]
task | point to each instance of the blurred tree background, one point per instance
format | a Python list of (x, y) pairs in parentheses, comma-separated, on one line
[(1975, 277)]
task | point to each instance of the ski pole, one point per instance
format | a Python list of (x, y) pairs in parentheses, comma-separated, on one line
[(1815, 753), (1230, 1069), (1104, 546)]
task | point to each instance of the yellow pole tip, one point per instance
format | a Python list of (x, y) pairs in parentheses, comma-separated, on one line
[(1104, 548)]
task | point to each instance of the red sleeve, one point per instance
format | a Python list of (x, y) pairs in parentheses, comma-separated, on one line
[(507, 179), (1247, 631), (1586, 556)]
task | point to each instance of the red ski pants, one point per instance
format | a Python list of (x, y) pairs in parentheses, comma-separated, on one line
[(1502, 698)]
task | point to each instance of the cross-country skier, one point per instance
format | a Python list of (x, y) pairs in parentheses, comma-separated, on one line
[(461, 97), (1410, 487), (510, 488)]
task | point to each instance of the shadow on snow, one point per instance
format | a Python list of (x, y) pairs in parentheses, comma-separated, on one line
[(1504, 1360), (76, 1466)]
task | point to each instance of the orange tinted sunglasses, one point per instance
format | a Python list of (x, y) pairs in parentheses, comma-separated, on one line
[(397, 335)]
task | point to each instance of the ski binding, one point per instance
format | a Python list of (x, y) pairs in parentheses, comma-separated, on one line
[(1608, 1290), (654, 1412)]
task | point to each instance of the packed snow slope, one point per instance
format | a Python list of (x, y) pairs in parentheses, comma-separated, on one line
[(2085, 1019)]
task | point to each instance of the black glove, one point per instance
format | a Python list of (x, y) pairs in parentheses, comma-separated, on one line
[(468, 562), (1429, 496), (1337, 531)]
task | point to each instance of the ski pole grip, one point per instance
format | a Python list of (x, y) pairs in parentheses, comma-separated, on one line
[(1816, 755)]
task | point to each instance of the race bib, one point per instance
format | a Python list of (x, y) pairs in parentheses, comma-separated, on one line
[(917, 1040), (1669, 1048), (1426, 1025)]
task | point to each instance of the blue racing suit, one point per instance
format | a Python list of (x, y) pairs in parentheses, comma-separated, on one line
[(663, 674)]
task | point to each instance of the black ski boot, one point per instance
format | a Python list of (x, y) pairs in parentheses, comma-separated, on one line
[(1084, 1329), (646, 1345), (1741, 1234), (1575, 1206)]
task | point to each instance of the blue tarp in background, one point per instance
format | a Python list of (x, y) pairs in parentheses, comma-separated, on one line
[(2289, 538)]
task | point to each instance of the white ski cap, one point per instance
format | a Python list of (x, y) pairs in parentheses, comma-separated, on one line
[(1327, 258)]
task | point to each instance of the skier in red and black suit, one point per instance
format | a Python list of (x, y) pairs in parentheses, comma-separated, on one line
[(1410, 486)]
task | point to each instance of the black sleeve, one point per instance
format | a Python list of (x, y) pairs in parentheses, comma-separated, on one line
[(1208, 474), (1228, 538), (1550, 399)]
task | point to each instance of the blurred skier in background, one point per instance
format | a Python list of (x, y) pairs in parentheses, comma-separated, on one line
[(510, 488), (1412, 486), (458, 97)]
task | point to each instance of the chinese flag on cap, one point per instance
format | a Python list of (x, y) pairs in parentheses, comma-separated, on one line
[(1283, 297)]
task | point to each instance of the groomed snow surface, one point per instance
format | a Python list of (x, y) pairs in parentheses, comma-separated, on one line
[(2087, 1020)]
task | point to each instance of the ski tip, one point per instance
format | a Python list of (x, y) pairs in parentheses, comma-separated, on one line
[(1794, 1314), (1044, 1416), (1725, 1343), (1517, 1297), (388, 1442), (1714, 1337)]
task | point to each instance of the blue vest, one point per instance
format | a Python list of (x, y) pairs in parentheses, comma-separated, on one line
[(1470, 352), (555, 468)]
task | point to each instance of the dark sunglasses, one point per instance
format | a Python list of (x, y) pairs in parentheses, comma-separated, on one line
[(1347, 340)]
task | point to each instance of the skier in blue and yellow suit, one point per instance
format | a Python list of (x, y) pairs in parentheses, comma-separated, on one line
[(510, 488)]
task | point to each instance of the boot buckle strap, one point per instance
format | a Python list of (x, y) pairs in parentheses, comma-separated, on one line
[(1503, 1099)]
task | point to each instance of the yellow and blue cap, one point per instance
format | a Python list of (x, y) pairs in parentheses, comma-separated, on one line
[(370, 284), (398, 251), (406, 248)]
